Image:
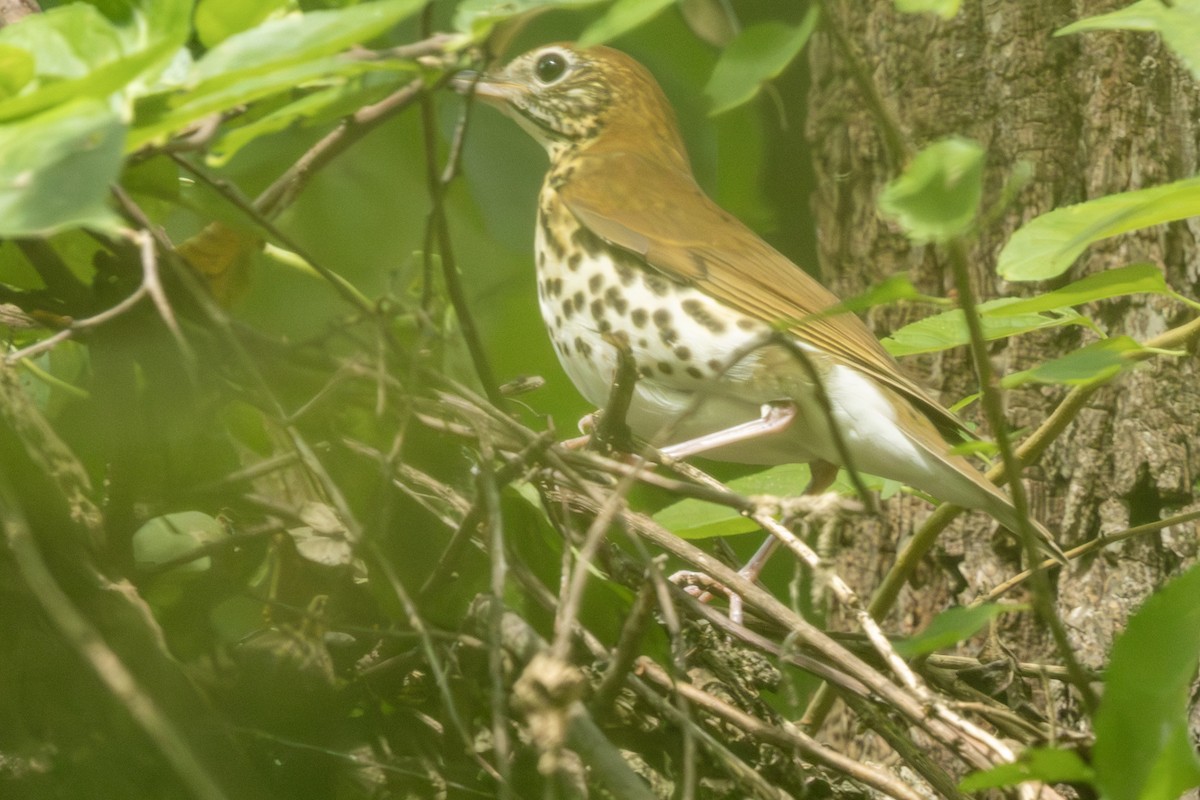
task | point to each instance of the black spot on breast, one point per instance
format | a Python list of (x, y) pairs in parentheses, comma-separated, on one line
[(567, 308), (584, 349), (616, 300), (597, 308), (662, 317), (668, 336), (574, 260), (595, 282), (695, 373), (715, 365), (697, 311), (625, 274), (578, 299), (683, 353), (657, 284), (638, 317), (665, 367)]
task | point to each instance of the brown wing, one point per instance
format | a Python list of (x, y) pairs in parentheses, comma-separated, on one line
[(679, 231)]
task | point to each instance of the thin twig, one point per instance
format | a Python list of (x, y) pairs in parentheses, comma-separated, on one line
[(786, 736), (438, 227), (994, 409), (1100, 542)]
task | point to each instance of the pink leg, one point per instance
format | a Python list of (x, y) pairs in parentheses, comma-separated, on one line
[(775, 418)]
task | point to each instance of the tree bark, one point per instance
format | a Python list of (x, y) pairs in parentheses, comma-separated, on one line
[(13, 10), (1093, 114)]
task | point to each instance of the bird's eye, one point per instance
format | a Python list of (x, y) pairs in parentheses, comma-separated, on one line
[(550, 67)]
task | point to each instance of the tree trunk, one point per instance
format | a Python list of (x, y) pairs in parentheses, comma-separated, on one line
[(1093, 114)]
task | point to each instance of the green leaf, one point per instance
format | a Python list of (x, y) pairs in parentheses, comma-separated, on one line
[(696, 519), (949, 329), (157, 121), (320, 106), (295, 39), (710, 20), (56, 169), (758, 54), (889, 290), (16, 69), (946, 9), (621, 17), (82, 53), (1047, 765), (1098, 361), (1142, 747), (1134, 279), (477, 18), (1178, 22), (951, 627), (1048, 245), (217, 20), (937, 196), (164, 539)]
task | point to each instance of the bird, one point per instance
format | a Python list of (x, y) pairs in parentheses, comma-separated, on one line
[(629, 248)]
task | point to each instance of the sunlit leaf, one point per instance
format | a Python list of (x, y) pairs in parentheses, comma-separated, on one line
[(758, 54), (82, 53), (56, 169), (937, 196), (159, 121), (1042, 764), (1134, 279), (946, 9), (949, 329), (298, 38), (1178, 22), (1048, 245), (1143, 749), (321, 105), (1098, 361), (696, 519), (164, 539), (951, 627), (477, 18), (16, 69), (621, 17), (217, 20), (889, 290)]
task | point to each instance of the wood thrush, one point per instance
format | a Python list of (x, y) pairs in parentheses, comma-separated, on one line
[(628, 244)]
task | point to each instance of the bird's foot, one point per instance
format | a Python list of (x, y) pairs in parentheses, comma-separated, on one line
[(704, 588), (587, 424)]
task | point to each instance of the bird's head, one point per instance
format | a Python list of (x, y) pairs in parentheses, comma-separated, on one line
[(570, 98)]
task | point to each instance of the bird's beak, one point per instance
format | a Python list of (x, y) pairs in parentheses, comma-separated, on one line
[(488, 89)]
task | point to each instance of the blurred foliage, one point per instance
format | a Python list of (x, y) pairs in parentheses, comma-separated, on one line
[(252, 479)]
